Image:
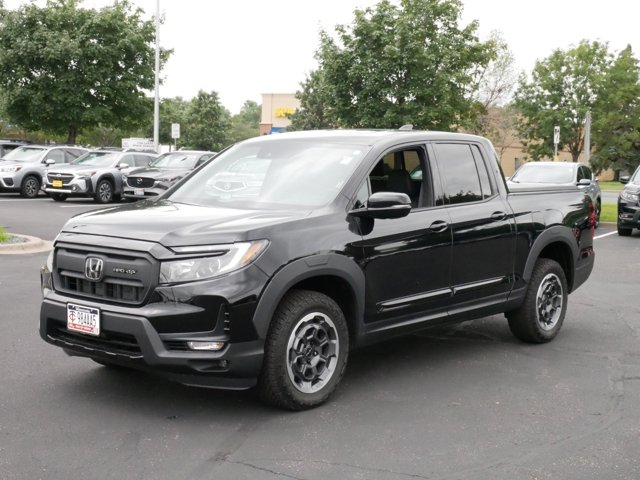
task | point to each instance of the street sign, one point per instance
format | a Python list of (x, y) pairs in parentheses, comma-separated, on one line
[(138, 143), (175, 130), (556, 134)]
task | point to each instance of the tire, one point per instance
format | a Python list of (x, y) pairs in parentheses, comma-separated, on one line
[(104, 192), (59, 197), (117, 198), (306, 351), (30, 187), (624, 232), (540, 317)]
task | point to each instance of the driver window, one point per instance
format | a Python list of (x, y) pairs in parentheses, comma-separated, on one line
[(402, 171)]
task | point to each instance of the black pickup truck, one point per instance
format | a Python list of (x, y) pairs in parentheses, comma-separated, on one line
[(269, 264)]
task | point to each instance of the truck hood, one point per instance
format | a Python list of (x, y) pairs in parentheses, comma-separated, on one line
[(175, 224), (75, 169)]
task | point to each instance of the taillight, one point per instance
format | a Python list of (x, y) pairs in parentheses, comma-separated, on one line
[(592, 217)]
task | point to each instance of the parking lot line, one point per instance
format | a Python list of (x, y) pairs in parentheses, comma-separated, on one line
[(605, 235)]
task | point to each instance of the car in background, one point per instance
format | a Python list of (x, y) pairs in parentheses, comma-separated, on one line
[(23, 169), (536, 174), (242, 179), (629, 204), (9, 144), (163, 172), (97, 174)]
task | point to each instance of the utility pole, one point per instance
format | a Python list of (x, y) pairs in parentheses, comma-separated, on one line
[(156, 106)]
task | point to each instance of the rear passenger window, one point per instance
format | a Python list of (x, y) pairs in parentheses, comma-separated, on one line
[(485, 183), (458, 172)]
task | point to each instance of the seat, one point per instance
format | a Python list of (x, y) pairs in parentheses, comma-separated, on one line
[(399, 181)]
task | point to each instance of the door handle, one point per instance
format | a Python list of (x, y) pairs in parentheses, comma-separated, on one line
[(498, 216), (438, 226)]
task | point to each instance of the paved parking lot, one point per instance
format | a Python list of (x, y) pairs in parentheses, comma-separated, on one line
[(461, 402)]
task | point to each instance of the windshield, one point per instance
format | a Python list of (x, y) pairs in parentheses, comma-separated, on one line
[(273, 174), (544, 173), (635, 179), (96, 159), (176, 160), (25, 154)]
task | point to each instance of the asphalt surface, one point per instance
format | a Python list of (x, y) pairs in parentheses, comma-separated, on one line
[(462, 402)]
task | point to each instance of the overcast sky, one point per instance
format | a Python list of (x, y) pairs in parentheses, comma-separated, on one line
[(242, 48)]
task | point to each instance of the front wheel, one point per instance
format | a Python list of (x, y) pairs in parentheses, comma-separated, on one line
[(104, 192), (540, 317), (306, 351), (30, 187), (624, 232)]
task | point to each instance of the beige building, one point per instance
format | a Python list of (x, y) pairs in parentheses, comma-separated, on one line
[(276, 108)]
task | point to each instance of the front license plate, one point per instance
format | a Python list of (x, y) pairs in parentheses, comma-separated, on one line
[(138, 191), (83, 319), (57, 183)]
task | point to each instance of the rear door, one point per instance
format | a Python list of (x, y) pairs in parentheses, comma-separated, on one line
[(483, 227)]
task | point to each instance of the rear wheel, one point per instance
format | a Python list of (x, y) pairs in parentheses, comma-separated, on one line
[(540, 317), (30, 187), (624, 232), (59, 197), (305, 352), (104, 192)]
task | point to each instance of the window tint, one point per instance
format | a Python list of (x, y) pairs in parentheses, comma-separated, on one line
[(402, 172), (142, 160), (73, 153), (482, 172), (458, 171), (127, 160), (57, 155)]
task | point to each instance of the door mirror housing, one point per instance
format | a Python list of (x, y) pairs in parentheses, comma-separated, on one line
[(585, 182), (624, 179), (122, 166), (49, 162), (385, 205)]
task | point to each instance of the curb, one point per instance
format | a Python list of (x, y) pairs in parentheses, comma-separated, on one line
[(30, 245)]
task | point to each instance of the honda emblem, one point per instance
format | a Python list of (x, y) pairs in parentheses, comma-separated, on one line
[(93, 268)]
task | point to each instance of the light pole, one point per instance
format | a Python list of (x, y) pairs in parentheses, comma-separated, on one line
[(156, 106)]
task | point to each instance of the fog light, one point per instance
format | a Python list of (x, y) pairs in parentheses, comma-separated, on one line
[(215, 346)]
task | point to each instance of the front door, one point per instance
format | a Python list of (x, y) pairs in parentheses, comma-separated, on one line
[(406, 261)]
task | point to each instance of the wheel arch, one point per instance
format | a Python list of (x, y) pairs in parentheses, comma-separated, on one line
[(336, 276), (557, 244)]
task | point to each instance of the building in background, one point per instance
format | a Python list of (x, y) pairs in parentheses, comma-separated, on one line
[(276, 108)]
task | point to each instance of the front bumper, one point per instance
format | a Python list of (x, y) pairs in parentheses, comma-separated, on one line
[(142, 193), (8, 182), (628, 214), (153, 337), (76, 186)]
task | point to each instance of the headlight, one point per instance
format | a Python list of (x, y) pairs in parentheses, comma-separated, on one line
[(10, 169), (167, 179), (628, 196), (224, 259)]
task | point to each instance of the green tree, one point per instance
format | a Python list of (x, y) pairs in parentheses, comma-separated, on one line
[(172, 110), (315, 110), (395, 65), (562, 89), (207, 123), (616, 118), (63, 67), (246, 124)]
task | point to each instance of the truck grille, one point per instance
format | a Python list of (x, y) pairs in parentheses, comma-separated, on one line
[(123, 278), (65, 177), (140, 182)]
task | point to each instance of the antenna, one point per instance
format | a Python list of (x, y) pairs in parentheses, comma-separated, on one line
[(408, 126)]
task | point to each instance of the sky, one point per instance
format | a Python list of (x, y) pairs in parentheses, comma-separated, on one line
[(243, 48)]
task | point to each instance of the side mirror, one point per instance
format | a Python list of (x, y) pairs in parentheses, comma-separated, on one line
[(585, 182), (49, 162), (385, 205), (122, 166), (624, 179)]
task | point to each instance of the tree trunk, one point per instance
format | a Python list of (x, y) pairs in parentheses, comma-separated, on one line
[(71, 137)]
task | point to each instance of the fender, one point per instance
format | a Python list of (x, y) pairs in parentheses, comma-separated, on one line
[(305, 268), (558, 233), (106, 176)]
